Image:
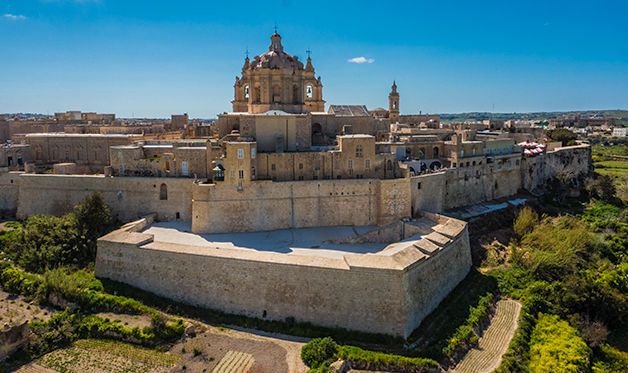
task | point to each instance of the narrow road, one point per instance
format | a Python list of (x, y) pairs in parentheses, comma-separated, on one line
[(487, 356)]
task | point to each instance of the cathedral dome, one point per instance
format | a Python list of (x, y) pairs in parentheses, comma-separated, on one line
[(276, 58)]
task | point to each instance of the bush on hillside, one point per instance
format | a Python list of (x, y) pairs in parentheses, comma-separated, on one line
[(46, 242), (525, 222), (319, 351), (556, 347)]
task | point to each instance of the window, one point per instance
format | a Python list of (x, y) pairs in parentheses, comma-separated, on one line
[(309, 91), (467, 164), (418, 186), (253, 153), (300, 166), (246, 91), (358, 151), (435, 152), (453, 164), (474, 163), (241, 174), (272, 167), (163, 192), (240, 153), (300, 177), (367, 164), (350, 164), (421, 153), (184, 168)]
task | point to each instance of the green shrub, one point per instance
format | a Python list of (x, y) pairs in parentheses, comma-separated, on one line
[(556, 347), (525, 222), (318, 351), (66, 327), (612, 360), (48, 242), (372, 360), (16, 281)]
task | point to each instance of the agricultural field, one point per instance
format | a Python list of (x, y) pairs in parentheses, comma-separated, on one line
[(612, 168), (494, 343), (92, 355)]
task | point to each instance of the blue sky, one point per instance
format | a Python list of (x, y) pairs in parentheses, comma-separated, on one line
[(154, 58)]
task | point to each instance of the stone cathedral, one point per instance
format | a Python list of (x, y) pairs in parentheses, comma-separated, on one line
[(277, 80)]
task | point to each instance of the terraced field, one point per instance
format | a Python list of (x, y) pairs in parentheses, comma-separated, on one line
[(235, 361), (494, 343), (96, 356)]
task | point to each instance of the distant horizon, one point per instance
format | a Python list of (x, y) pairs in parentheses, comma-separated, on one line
[(153, 59), (450, 113)]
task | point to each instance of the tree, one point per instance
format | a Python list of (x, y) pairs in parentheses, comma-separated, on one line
[(565, 136), (93, 216)]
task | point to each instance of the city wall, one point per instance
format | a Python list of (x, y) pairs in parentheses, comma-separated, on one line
[(372, 293), (8, 192), (565, 163), (128, 197), (267, 205)]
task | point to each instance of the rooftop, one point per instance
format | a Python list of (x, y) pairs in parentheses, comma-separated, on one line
[(339, 247)]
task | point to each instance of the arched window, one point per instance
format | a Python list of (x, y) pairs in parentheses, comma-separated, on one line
[(421, 153), (435, 152), (163, 192), (309, 91), (317, 134), (358, 151), (246, 91)]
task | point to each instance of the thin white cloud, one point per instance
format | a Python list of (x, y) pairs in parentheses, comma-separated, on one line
[(360, 60), (13, 17)]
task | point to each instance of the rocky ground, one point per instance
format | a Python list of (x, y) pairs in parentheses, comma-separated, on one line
[(15, 310)]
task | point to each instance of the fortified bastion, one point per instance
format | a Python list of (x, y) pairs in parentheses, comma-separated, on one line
[(377, 279)]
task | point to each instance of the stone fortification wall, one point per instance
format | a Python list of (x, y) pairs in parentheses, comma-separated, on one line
[(128, 197), (475, 184), (570, 163), (505, 176), (387, 294), (465, 186), (8, 192), (267, 205)]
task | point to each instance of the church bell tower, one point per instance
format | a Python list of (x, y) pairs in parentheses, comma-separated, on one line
[(393, 104)]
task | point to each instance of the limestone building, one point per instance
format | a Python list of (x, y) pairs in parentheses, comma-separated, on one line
[(276, 80)]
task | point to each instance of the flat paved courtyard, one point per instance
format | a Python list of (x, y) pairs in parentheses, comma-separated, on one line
[(303, 241)]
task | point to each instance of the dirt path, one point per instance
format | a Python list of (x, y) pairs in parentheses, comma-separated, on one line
[(494, 343)]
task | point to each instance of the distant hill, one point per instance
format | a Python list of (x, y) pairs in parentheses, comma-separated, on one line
[(622, 115)]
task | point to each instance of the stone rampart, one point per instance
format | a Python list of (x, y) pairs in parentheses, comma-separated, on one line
[(388, 294), (8, 192), (267, 205), (567, 164), (128, 197)]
